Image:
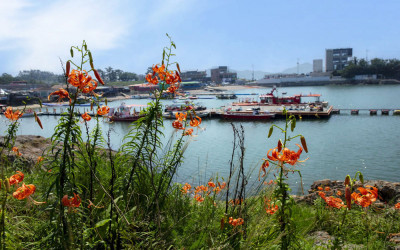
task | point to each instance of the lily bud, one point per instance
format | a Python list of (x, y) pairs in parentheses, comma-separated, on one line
[(68, 67), (271, 129), (293, 124), (279, 146), (303, 143), (347, 180), (361, 178), (7, 184), (348, 197), (97, 75)]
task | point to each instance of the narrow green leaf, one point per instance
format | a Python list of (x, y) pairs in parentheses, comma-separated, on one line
[(101, 223)]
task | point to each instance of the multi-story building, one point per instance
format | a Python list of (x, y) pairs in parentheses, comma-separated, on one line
[(317, 65), (194, 75), (221, 74), (337, 59)]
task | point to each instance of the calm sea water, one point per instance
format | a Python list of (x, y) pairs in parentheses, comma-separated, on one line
[(337, 146)]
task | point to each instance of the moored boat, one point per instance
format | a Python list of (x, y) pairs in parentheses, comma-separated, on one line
[(124, 113), (250, 116)]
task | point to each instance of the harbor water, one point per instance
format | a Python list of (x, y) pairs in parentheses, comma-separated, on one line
[(340, 145)]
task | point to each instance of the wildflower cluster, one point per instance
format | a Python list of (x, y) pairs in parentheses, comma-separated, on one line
[(269, 207), (202, 191), (236, 222), (181, 119), (23, 191), (160, 74), (85, 84)]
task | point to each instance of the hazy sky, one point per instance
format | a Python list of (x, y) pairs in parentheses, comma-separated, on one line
[(130, 34)]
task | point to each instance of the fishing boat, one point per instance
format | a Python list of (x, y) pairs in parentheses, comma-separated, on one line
[(125, 113)]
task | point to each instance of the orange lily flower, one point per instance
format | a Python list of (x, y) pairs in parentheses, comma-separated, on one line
[(17, 178), (177, 125), (151, 79), (286, 156), (320, 188), (263, 168), (181, 116), (236, 222), (24, 191), (339, 193), (211, 184), (62, 93), (270, 208), (367, 196), (185, 189), (196, 121), (39, 159), (223, 185), (16, 150), (12, 116), (397, 206), (103, 110), (90, 87), (79, 79), (198, 198), (188, 132), (327, 189), (173, 88), (332, 201), (73, 202), (201, 188), (86, 117)]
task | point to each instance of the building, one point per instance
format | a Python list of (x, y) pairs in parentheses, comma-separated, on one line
[(337, 59), (221, 74), (194, 75), (317, 65)]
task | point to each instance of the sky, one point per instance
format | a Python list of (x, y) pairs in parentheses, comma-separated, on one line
[(130, 35)]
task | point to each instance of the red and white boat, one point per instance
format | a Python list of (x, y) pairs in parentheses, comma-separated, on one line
[(125, 113), (271, 100)]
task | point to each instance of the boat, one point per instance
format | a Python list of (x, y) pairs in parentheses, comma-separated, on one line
[(254, 115), (172, 114), (183, 106), (193, 97), (226, 96), (125, 113)]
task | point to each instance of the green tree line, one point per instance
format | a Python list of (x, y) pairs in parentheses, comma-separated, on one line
[(389, 68), (36, 76)]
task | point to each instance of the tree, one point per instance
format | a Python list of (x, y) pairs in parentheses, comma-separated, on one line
[(128, 76)]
